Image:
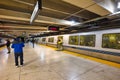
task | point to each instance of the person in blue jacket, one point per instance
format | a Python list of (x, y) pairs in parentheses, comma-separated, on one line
[(18, 51)]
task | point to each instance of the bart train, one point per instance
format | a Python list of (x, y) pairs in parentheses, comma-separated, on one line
[(104, 44)]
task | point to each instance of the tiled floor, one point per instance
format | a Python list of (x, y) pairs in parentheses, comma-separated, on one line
[(42, 63)]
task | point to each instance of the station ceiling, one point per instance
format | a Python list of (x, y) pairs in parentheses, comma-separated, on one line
[(66, 14)]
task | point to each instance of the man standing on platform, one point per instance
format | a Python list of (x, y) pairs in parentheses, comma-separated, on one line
[(60, 44), (8, 45), (18, 51), (33, 42)]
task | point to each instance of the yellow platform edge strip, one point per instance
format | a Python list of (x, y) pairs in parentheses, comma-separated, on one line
[(113, 64)]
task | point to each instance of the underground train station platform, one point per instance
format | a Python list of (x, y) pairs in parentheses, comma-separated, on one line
[(45, 63)]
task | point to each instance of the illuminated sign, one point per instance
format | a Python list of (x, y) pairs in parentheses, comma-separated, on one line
[(53, 28)]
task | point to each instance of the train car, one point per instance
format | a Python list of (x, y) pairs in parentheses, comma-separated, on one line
[(104, 44)]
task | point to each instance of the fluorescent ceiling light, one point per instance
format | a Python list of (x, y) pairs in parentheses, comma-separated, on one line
[(118, 6), (71, 23), (116, 13)]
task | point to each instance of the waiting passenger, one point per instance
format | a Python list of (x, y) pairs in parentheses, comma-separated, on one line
[(8, 45), (33, 42), (18, 51), (60, 44)]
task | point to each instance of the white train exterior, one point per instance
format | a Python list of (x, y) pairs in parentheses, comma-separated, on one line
[(98, 44)]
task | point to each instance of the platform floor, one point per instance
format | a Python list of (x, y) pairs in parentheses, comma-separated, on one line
[(43, 63)]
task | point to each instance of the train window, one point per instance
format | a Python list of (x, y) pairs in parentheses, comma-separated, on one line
[(74, 40), (43, 39), (111, 40), (51, 39), (87, 40)]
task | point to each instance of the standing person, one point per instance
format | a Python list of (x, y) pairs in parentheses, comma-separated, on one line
[(18, 51), (60, 44), (33, 41), (23, 39), (8, 45)]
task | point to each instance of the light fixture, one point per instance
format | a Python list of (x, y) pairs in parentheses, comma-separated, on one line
[(118, 6), (116, 13), (36, 10), (72, 23)]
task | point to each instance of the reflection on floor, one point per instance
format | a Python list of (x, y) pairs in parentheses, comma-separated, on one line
[(41, 63)]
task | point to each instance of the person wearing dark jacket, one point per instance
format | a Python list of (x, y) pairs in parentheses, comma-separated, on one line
[(18, 51), (8, 45)]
